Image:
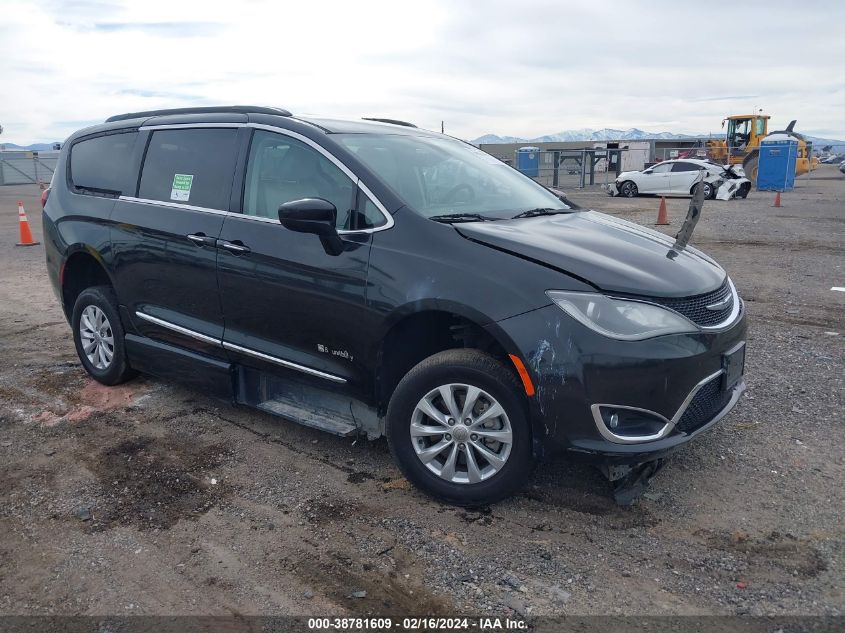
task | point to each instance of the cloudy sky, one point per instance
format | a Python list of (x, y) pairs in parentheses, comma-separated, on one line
[(518, 67)]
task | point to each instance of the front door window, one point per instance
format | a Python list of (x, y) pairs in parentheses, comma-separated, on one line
[(282, 169)]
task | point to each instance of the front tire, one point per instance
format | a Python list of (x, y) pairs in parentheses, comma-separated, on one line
[(629, 189), (98, 336), (750, 167), (458, 429)]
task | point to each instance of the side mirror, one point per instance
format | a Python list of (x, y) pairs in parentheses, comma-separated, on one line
[(647, 171), (309, 215), (316, 216)]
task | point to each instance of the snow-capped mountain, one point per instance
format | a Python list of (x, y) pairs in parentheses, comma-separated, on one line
[(586, 134)]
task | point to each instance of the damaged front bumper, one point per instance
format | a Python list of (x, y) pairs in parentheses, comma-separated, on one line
[(664, 391)]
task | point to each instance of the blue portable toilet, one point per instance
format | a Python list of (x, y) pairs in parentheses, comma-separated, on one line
[(528, 161), (776, 169)]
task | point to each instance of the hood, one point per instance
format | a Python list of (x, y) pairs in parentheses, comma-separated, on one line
[(612, 254)]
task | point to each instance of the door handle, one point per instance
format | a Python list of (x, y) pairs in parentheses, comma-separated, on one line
[(233, 247), (201, 239)]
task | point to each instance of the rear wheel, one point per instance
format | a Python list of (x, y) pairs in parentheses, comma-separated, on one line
[(458, 429), (629, 189), (98, 336)]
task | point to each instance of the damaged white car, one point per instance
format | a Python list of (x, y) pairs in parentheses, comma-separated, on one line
[(678, 177)]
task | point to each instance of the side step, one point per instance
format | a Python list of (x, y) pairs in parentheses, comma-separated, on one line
[(304, 402), (322, 419)]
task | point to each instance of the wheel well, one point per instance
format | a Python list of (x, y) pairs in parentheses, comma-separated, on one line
[(418, 336), (81, 271)]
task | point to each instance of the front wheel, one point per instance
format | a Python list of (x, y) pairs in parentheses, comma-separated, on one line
[(458, 429), (629, 189), (98, 336)]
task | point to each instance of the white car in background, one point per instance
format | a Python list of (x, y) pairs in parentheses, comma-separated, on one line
[(678, 177)]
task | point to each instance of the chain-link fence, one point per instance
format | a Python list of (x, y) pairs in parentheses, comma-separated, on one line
[(570, 169), (717, 153), (567, 168), (21, 168)]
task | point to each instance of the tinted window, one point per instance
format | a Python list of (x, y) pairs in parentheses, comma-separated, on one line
[(662, 168), (191, 166), (281, 169), (100, 164), (685, 167)]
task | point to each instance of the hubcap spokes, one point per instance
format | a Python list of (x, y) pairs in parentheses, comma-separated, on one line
[(97, 337), (461, 433)]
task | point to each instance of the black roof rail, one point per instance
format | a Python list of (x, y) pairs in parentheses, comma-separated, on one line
[(201, 110), (393, 121)]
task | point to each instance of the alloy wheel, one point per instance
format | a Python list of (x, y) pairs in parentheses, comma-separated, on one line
[(629, 189), (97, 338), (461, 433)]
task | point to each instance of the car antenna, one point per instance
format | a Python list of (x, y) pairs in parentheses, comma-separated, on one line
[(696, 204)]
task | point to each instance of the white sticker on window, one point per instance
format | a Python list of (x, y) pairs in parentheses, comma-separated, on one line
[(181, 190)]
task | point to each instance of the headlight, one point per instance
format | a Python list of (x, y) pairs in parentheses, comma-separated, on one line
[(620, 319)]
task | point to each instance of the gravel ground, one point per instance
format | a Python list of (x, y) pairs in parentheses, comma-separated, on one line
[(153, 499)]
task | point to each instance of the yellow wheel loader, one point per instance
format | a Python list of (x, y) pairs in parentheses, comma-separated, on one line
[(742, 144)]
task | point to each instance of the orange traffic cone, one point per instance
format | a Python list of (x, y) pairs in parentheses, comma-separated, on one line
[(662, 217), (26, 234), (777, 199)]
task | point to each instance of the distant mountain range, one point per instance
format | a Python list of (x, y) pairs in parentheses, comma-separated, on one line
[(34, 147), (586, 134), (632, 134)]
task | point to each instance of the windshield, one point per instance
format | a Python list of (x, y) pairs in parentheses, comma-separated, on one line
[(442, 176)]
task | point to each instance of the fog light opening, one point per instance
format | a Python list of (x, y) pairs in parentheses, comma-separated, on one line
[(631, 423)]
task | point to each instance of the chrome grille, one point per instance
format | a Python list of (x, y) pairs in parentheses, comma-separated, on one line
[(695, 308), (709, 400)]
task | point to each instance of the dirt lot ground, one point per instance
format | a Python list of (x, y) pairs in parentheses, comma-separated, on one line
[(153, 499)]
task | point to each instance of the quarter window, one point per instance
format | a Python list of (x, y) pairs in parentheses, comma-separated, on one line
[(100, 165), (282, 169), (191, 166)]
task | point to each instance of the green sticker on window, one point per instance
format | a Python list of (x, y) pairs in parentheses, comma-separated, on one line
[(181, 190)]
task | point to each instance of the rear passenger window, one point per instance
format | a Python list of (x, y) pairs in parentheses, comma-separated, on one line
[(192, 166), (100, 165), (685, 167)]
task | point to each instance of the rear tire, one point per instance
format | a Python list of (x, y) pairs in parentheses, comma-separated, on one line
[(472, 467), (709, 191), (99, 337)]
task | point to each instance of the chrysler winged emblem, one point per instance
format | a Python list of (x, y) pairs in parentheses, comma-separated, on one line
[(719, 305)]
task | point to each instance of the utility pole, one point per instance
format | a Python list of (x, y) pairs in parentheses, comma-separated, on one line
[(441, 127)]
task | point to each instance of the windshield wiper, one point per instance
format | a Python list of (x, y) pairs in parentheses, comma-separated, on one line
[(461, 217), (531, 213)]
